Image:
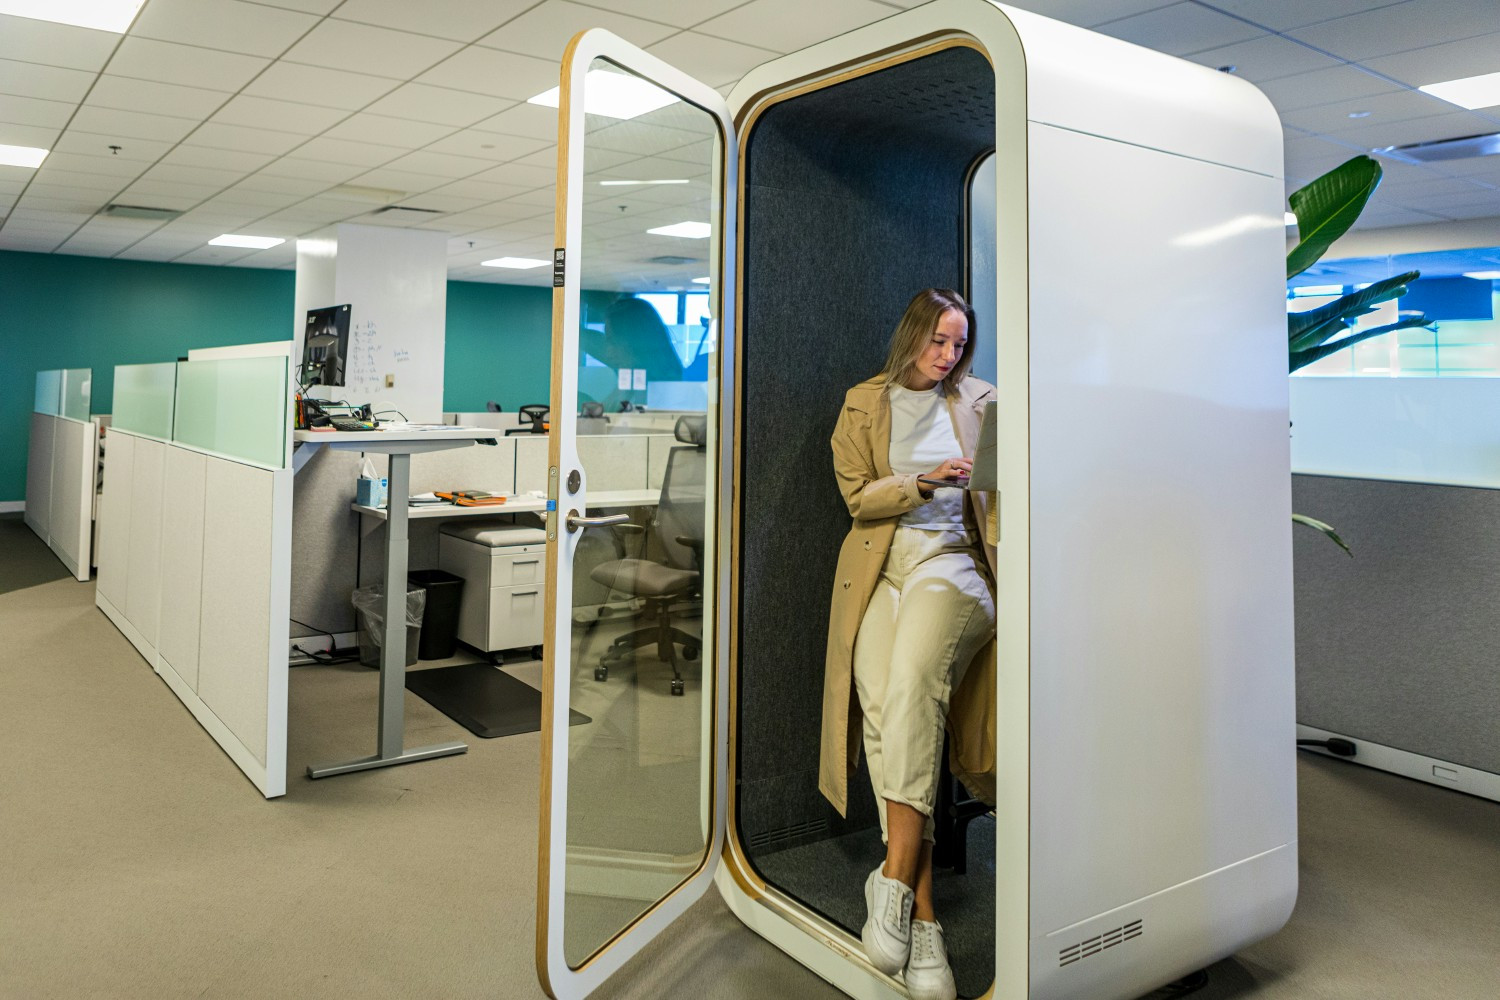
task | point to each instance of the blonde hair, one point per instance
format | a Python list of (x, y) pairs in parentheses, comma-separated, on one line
[(916, 328)]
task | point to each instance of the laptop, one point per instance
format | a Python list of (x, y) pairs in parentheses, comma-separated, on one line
[(986, 474)]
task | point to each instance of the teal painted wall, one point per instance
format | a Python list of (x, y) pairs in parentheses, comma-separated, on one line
[(61, 311)]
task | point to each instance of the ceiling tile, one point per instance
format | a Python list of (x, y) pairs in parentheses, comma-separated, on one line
[(306, 6), (298, 187), (400, 180), (46, 189), (1181, 29), (1478, 210), (519, 175), (242, 197), (179, 173), (1324, 86), (532, 120), (154, 191), (333, 88), (347, 151), (462, 22), (545, 29), (1396, 106), (1436, 63), (220, 159), (131, 124), (222, 24), (29, 135), (168, 62), (681, 13), (30, 40), (360, 48), (425, 103), (1265, 58), (1427, 129), (105, 165), (399, 132), (499, 74), (487, 146), (284, 116), (51, 83), (715, 61), (787, 25), (440, 164), (313, 169), (1401, 26), (1079, 12), (243, 138), (34, 111), (129, 94), (485, 191), (1280, 15)]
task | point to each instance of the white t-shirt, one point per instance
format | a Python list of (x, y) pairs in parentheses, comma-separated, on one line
[(921, 439)]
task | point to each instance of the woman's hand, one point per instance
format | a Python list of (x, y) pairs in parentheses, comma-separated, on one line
[(955, 470)]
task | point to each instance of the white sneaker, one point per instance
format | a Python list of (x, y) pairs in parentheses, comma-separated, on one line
[(887, 931), (928, 974)]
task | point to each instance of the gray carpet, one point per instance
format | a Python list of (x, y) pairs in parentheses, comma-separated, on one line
[(26, 561), (139, 863)]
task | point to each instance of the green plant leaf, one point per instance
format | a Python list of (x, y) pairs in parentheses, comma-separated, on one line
[(1326, 529), (1327, 207), (1300, 326), (1301, 359)]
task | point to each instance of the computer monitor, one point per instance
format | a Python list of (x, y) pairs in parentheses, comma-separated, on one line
[(325, 346)]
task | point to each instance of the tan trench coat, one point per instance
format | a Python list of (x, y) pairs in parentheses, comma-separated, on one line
[(877, 499)]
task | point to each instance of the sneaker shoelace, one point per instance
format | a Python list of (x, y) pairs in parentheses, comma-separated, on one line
[(895, 913)]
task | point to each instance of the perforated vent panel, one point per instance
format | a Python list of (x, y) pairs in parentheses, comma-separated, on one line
[(1099, 943)]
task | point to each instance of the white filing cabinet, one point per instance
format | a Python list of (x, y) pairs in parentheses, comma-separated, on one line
[(503, 566)]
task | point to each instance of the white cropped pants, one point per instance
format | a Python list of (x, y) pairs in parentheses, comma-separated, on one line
[(933, 609)]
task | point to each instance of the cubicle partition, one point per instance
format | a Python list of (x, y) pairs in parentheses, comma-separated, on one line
[(62, 467), (195, 543), (1396, 649)]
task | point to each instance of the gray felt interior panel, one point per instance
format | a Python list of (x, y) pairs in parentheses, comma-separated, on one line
[(325, 542), (1400, 645), (854, 195)]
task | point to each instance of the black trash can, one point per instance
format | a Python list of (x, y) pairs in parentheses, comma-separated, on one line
[(440, 617)]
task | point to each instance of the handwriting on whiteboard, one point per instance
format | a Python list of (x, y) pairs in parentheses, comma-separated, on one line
[(363, 373)]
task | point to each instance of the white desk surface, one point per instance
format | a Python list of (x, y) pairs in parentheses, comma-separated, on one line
[(598, 500), (444, 432)]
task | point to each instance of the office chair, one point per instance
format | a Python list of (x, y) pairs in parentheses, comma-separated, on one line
[(678, 574), (591, 419), (493, 407), (533, 417)]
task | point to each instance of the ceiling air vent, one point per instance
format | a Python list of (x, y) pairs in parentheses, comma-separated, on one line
[(1098, 943), (117, 211), (407, 209), (1444, 149), (670, 260)]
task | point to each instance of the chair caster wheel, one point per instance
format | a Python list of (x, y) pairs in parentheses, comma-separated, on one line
[(689, 652), (601, 673), (677, 687)]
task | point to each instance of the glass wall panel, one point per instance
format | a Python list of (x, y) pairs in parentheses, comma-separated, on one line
[(144, 399), (48, 392), (236, 407), (77, 387)]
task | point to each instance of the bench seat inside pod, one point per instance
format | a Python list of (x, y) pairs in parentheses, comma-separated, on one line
[(1145, 824)]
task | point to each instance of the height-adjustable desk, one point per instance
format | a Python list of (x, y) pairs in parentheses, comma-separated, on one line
[(399, 446)]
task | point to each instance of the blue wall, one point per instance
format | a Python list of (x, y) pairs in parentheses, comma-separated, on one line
[(60, 311)]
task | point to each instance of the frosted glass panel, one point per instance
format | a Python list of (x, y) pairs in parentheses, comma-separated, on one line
[(48, 392), (77, 387), (144, 397), (236, 407)]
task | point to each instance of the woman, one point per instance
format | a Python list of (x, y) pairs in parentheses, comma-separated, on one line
[(913, 604)]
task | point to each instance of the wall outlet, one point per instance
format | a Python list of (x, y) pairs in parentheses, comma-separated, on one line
[(390, 381)]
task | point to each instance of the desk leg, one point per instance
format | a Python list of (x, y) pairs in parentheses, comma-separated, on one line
[(388, 750)]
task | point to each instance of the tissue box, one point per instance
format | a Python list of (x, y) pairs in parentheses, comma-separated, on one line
[(370, 492)]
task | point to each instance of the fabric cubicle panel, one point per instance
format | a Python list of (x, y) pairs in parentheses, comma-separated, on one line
[(854, 202), (74, 460), (1395, 646), (38, 515)]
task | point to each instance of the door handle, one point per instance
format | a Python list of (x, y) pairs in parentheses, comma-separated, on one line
[(575, 521)]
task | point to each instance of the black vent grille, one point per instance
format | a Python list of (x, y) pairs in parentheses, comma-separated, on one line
[(407, 208), (782, 835), (1098, 943)]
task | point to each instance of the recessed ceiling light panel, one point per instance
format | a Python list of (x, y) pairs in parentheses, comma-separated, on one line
[(519, 263), (702, 281), (687, 230), (1291, 218), (106, 15), (1469, 92), (22, 156), (1483, 275), (612, 95), (630, 183), (246, 242)]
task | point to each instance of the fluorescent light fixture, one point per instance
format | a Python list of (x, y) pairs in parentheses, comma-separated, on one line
[(22, 156), (613, 95), (629, 183), (106, 15), (1308, 291), (1469, 92), (519, 263), (702, 281), (248, 242), (1483, 275), (687, 230), (1291, 218)]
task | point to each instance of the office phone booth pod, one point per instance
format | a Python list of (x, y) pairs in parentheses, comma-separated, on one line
[(1144, 821)]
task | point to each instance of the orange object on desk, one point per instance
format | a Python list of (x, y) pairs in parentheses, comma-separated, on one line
[(463, 499)]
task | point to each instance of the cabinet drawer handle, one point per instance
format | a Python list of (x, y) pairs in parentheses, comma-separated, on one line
[(524, 593), (525, 562)]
